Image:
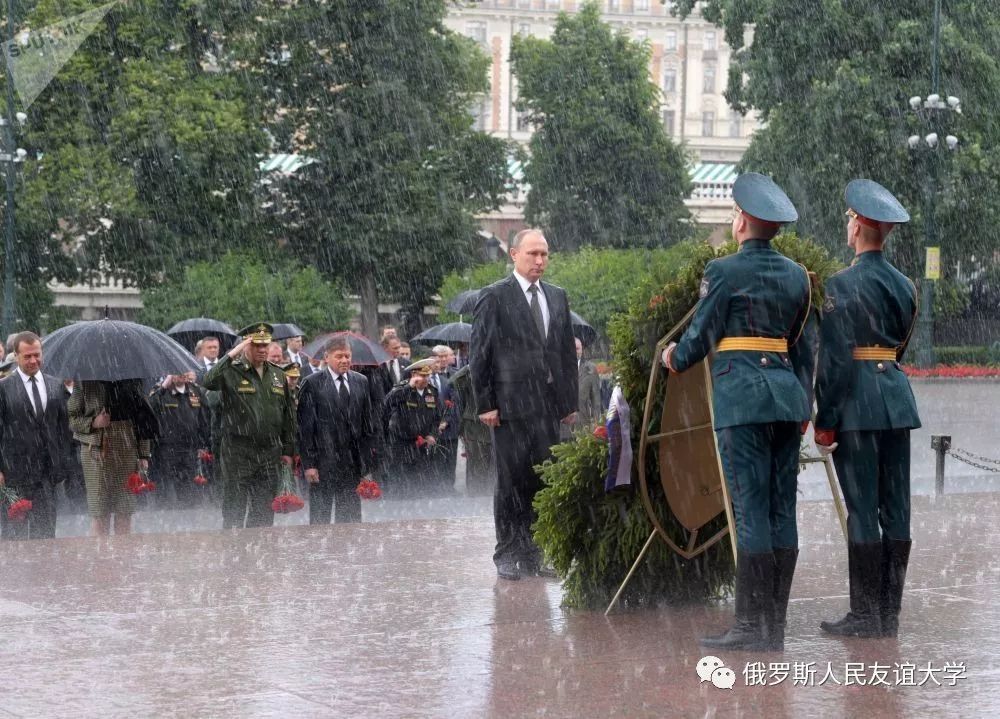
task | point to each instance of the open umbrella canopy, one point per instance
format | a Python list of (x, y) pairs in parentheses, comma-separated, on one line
[(464, 302), (363, 350), (188, 332), (582, 329), (112, 350), (284, 330), (450, 333)]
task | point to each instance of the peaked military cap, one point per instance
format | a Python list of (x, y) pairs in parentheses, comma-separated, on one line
[(868, 200), (258, 334), (292, 369), (424, 366), (760, 197)]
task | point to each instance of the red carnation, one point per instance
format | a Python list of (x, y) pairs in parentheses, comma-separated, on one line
[(205, 456), (287, 502), (601, 432), (134, 483), (200, 480), (421, 441), (449, 404), (18, 511), (368, 489)]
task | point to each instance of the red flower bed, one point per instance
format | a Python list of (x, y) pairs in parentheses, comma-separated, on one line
[(958, 371)]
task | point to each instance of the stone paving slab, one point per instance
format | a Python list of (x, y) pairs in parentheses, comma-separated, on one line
[(407, 619)]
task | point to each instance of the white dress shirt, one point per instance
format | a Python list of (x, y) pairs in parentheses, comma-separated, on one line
[(41, 388), (336, 380), (542, 302)]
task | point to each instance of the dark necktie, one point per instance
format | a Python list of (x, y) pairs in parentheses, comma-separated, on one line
[(345, 395), (37, 396), (536, 311)]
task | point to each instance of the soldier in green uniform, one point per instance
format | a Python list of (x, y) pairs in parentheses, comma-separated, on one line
[(866, 409), (751, 312), (257, 428), (413, 415)]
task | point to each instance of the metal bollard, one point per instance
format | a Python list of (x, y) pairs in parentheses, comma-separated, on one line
[(940, 443)]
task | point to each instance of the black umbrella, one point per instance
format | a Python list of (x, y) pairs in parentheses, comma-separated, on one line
[(284, 330), (363, 350), (450, 333), (188, 332), (112, 350), (582, 329), (464, 302)]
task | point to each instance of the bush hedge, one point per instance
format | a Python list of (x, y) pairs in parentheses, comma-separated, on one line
[(591, 537)]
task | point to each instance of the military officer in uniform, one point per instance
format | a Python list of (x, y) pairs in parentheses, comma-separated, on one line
[(184, 429), (293, 374), (413, 416), (258, 428), (866, 409), (751, 312)]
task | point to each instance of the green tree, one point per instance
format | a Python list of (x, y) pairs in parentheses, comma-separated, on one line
[(378, 94), (141, 151), (602, 172), (832, 80), (242, 288)]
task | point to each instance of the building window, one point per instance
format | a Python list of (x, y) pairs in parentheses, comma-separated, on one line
[(735, 124), (709, 43), (668, 122), (480, 114), (524, 4), (552, 4), (708, 124), (640, 33), (477, 31), (642, 5), (614, 5), (670, 40), (524, 29), (670, 80), (709, 78)]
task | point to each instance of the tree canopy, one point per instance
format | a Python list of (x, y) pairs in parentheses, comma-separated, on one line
[(602, 171), (832, 80)]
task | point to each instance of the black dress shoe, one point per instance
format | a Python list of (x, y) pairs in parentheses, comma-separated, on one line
[(508, 571)]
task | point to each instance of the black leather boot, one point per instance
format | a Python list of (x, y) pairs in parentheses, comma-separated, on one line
[(865, 572), (895, 558), (784, 569), (754, 606)]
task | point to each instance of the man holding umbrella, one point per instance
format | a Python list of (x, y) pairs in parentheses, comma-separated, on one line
[(257, 428)]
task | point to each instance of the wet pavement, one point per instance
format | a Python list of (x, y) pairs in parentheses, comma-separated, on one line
[(407, 619)]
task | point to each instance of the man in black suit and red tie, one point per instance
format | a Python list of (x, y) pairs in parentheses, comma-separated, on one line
[(523, 360), (35, 439), (336, 436)]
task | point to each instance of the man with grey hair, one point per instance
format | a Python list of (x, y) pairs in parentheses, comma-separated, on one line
[(523, 361)]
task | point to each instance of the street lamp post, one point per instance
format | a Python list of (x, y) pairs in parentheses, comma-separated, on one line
[(935, 116)]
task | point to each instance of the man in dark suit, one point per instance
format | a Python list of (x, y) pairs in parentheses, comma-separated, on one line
[(392, 370), (336, 436), (293, 348), (524, 374), (35, 439)]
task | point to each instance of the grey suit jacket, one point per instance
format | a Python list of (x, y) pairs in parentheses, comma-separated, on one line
[(33, 449)]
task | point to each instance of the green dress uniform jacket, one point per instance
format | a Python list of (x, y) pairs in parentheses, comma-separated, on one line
[(254, 408), (756, 292), (869, 304)]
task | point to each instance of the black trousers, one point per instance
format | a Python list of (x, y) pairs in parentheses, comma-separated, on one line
[(335, 494), (41, 520), (175, 468), (444, 460), (518, 445)]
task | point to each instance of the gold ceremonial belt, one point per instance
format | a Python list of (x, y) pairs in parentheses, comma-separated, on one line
[(753, 344), (874, 353)]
